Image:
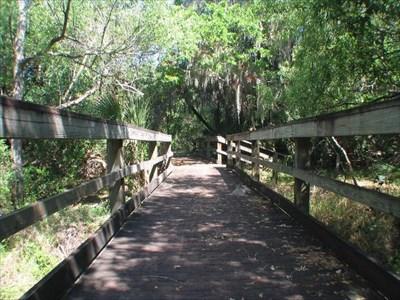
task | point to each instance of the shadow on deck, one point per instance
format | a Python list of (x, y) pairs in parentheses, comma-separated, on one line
[(204, 235)]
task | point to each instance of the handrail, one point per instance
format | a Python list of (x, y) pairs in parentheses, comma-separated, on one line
[(26, 120), (375, 118)]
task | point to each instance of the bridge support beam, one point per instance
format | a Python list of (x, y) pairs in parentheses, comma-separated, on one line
[(255, 152), (302, 161), (115, 161)]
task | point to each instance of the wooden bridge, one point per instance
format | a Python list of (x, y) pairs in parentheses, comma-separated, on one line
[(199, 230)]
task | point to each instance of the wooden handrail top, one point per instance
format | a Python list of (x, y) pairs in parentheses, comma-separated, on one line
[(26, 120), (374, 118)]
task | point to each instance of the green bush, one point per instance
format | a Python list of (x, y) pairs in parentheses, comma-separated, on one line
[(6, 177)]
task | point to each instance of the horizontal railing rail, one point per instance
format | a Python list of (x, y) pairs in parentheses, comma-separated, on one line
[(375, 118), (205, 144), (26, 120)]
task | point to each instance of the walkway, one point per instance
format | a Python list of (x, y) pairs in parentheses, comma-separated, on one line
[(203, 235)]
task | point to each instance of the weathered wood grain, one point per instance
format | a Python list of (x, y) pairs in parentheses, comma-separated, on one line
[(115, 161), (26, 120), (375, 118)]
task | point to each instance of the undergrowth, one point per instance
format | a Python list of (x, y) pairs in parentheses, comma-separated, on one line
[(29, 255)]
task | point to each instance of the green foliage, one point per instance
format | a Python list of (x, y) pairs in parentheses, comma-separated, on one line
[(7, 28), (6, 177), (29, 255), (39, 261)]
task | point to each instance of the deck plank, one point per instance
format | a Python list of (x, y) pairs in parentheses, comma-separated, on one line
[(203, 235)]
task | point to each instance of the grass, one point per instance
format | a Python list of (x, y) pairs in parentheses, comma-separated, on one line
[(29, 255), (376, 233)]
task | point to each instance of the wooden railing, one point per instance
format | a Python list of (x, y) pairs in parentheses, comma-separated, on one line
[(215, 147), (379, 118), (22, 120), (374, 119)]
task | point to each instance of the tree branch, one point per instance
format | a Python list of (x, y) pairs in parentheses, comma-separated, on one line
[(54, 40), (80, 98), (199, 116), (129, 88), (335, 141), (75, 78)]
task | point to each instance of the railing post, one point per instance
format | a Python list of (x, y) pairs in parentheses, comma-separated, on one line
[(153, 171), (165, 149), (302, 161), (275, 174), (237, 162), (219, 155), (229, 162), (115, 161), (255, 152)]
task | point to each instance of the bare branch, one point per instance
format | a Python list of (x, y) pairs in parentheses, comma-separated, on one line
[(81, 98), (129, 88), (75, 78), (107, 22), (335, 141)]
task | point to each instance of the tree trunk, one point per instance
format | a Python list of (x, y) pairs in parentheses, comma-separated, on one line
[(18, 91), (238, 99)]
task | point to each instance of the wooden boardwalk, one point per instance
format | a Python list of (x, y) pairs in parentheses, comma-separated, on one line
[(204, 235)]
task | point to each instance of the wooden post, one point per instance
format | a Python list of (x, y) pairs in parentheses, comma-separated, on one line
[(237, 161), (302, 161), (115, 161), (255, 152), (229, 162), (166, 148), (275, 174), (219, 155), (153, 171)]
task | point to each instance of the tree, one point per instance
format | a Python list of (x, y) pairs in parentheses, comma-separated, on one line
[(18, 92)]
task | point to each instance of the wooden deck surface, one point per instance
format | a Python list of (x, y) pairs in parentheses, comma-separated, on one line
[(204, 235)]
